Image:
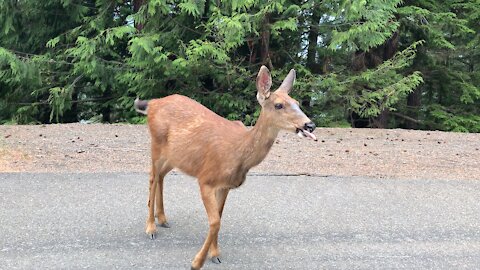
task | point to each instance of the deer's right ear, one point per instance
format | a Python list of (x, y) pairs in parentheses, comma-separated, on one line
[(264, 82), (287, 83)]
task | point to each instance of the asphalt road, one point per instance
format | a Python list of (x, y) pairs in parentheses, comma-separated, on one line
[(96, 221)]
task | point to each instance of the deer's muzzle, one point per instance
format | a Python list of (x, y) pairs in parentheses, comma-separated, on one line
[(307, 131)]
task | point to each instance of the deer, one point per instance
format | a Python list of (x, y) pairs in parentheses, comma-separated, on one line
[(218, 152)]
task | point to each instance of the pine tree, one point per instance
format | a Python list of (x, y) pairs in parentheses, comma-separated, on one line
[(410, 64)]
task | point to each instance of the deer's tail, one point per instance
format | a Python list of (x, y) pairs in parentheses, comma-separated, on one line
[(141, 106)]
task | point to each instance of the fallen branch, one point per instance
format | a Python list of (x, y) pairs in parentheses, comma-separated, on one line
[(408, 118)]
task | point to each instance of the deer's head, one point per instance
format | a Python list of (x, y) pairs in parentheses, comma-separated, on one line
[(281, 110)]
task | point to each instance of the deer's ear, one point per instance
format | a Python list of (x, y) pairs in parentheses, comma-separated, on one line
[(287, 84), (264, 82)]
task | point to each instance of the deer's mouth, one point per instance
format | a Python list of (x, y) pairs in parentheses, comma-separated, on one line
[(305, 134)]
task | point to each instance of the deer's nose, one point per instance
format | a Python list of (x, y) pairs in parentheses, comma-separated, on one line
[(310, 126)]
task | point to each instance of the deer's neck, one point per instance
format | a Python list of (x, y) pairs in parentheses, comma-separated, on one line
[(258, 141)]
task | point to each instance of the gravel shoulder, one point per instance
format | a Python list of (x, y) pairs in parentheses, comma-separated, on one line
[(379, 153)]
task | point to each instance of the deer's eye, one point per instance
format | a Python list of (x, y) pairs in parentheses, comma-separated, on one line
[(279, 106)]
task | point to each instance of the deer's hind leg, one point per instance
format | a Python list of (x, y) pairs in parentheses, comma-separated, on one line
[(151, 229), (160, 212), (159, 169)]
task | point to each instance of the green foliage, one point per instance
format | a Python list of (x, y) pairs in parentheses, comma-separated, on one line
[(453, 121), (381, 88), (374, 90), (59, 100), (369, 24), (65, 61)]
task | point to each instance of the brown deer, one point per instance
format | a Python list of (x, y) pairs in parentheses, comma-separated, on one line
[(188, 136)]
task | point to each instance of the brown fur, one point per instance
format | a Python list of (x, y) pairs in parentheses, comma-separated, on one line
[(188, 136)]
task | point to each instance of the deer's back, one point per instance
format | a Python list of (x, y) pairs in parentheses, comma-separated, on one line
[(191, 137)]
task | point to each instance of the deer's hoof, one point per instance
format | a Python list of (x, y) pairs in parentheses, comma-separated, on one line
[(197, 263), (151, 230), (165, 225), (216, 260)]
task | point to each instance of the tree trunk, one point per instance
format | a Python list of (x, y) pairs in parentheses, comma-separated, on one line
[(390, 48), (381, 121), (106, 109), (71, 115), (313, 39), (265, 43), (371, 59), (414, 101), (137, 4)]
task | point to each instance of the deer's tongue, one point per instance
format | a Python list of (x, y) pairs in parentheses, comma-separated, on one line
[(305, 133), (310, 135)]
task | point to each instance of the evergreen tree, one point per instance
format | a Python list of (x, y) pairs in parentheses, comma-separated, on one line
[(376, 63)]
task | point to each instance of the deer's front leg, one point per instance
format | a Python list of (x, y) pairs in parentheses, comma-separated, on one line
[(210, 203), (221, 197)]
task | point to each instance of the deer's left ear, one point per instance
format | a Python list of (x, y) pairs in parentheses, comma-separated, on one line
[(287, 84), (264, 82)]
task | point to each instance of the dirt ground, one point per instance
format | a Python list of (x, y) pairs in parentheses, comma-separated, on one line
[(379, 153)]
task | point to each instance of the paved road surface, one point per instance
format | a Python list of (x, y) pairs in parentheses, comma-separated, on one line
[(96, 221)]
